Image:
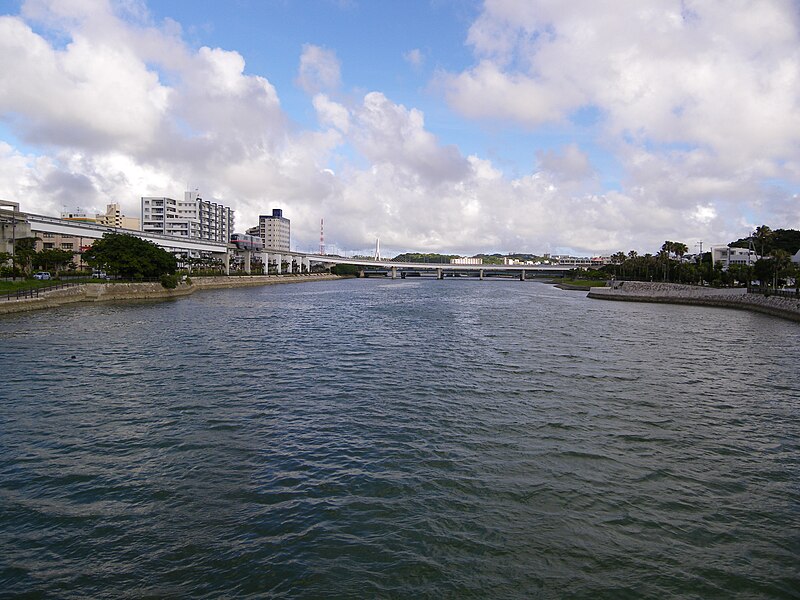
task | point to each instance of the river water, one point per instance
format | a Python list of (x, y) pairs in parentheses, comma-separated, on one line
[(399, 439)]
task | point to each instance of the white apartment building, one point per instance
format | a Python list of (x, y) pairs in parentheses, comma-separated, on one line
[(464, 260), (275, 230), (193, 217), (732, 256)]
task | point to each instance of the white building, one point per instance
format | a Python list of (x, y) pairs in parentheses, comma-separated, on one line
[(732, 256), (193, 217), (275, 230), (571, 261), (464, 260)]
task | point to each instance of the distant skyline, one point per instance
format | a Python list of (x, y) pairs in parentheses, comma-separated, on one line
[(438, 126)]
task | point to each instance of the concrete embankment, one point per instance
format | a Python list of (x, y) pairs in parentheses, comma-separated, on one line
[(670, 293), (106, 292)]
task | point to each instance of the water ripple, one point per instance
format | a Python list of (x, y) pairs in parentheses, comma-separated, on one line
[(399, 439)]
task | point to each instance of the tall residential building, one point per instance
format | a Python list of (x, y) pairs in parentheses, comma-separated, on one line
[(115, 218), (193, 217), (274, 229)]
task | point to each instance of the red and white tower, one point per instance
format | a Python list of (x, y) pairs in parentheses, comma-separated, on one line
[(321, 237)]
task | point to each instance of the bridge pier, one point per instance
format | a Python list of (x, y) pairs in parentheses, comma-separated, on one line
[(522, 275), (226, 262), (278, 264), (439, 274), (247, 256), (394, 272), (480, 274), (307, 264)]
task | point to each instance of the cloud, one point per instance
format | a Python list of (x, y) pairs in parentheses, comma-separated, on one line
[(704, 127), (571, 164), (331, 113), (391, 133), (721, 75), (414, 57), (319, 70)]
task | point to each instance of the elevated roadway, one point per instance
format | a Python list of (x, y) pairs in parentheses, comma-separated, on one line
[(393, 268), (44, 224)]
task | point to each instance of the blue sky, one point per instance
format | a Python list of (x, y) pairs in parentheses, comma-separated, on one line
[(453, 126)]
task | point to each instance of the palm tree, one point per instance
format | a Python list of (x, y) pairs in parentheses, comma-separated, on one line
[(663, 254), (763, 235), (679, 249)]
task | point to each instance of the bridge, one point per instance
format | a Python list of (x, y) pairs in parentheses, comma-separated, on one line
[(94, 231), (282, 260), (393, 269)]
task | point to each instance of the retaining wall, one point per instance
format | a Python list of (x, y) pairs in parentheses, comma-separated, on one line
[(104, 292), (668, 293)]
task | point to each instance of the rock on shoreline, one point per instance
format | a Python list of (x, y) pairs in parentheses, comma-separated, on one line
[(672, 293)]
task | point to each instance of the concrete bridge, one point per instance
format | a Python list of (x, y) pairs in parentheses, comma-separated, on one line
[(282, 260), (395, 269)]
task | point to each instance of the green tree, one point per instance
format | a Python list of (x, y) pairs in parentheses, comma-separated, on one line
[(763, 237), (52, 259), (679, 249), (24, 251), (130, 257)]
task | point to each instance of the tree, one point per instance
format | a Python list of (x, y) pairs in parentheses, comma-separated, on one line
[(782, 263), (679, 249), (24, 251), (130, 257), (52, 259), (763, 237)]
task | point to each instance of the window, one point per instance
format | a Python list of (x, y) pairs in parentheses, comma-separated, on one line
[(66, 246)]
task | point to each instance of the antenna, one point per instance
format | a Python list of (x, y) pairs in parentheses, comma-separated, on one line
[(322, 237)]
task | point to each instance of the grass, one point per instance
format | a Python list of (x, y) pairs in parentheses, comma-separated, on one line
[(27, 284), (584, 282)]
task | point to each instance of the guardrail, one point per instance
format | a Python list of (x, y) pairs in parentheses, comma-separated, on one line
[(771, 292), (34, 292)]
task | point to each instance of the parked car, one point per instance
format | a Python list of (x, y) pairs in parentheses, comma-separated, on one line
[(100, 275), (42, 275)]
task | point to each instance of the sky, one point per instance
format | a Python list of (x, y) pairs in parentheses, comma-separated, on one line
[(452, 126)]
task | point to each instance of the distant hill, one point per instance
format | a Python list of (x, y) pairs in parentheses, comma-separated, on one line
[(782, 239), (417, 257)]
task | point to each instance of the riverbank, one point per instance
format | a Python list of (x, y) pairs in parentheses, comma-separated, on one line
[(109, 292), (672, 293)]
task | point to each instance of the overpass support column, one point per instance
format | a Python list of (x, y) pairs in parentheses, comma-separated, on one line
[(480, 274), (439, 274), (522, 275), (278, 265), (394, 272), (226, 261), (307, 264), (247, 255), (265, 256), (361, 274)]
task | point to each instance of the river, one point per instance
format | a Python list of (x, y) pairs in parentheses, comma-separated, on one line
[(399, 439)]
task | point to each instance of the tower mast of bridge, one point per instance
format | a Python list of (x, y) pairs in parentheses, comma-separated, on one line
[(321, 237)]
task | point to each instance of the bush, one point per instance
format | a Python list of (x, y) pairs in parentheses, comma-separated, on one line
[(169, 281)]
